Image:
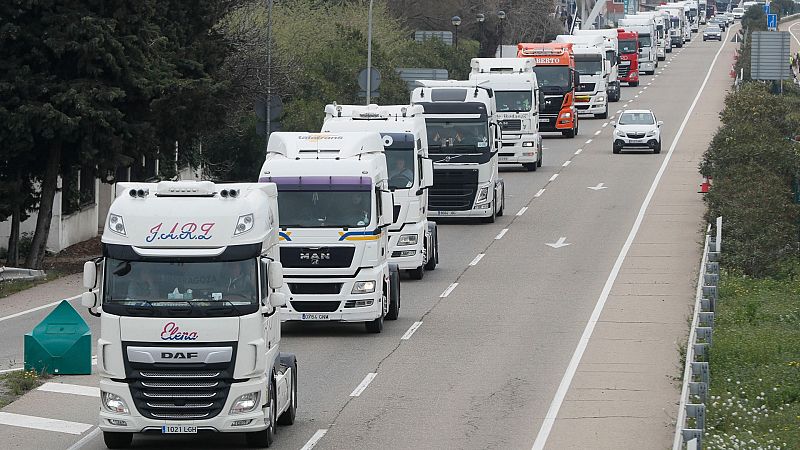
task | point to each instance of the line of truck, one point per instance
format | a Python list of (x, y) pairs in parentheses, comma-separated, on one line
[(196, 277)]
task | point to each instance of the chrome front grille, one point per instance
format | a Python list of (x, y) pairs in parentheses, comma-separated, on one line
[(179, 374)]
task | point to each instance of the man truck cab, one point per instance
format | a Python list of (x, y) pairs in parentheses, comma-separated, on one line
[(648, 46), (594, 70), (629, 56), (516, 93), (188, 292), (557, 78), (611, 45), (336, 207), (413, 239), (463, 142)]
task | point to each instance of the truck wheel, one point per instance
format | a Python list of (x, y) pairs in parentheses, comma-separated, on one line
[(264, 438), (604, 115), (433, 257), (569, 133), (416, 274), (539, 162), (493, 217), (394, 295), (633, 83), (530, 167), (117, 440), (287, 418), (502, 203), (376, 326)]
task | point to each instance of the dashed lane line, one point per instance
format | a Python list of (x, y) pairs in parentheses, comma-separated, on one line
[(315, 439), (411, 331), (589, 141), (578, 151), (501, 234), (363, 385), (478, 259), (522, 210), (553, 178), (597, 133), (539, 194), (448, 290), (566, 163)]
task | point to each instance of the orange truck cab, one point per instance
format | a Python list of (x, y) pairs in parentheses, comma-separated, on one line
[(555, 72)]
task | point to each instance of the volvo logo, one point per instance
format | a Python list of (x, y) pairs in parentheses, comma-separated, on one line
[(315, 255)]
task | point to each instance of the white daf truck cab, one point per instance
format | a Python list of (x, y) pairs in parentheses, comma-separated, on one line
[(516, 93), (648, 45), (336, 208), (678, 26), (188, 295), (611, 46), (413, 239), (591, 94), (663, 44), (463, 142)]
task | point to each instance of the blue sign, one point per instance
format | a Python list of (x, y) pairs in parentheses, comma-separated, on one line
[(766, 9), (772, 21)]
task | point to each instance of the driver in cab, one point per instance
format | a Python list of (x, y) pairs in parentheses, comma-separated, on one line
[(400, 175)]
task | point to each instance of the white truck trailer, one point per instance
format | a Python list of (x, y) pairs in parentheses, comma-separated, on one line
[(413, 239), (463, 142), (678, 26), (591, 94), (648, 45), (516, 94), (188, 294), (336, 206), (611, 46)]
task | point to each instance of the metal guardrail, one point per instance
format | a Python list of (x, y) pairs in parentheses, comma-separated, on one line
[(15, 273), (694, 392)]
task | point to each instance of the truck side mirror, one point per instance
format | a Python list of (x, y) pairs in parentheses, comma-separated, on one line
[(427, 172), (89, 274), (274, 274), (89, 299), (277, 299), (387, 208)]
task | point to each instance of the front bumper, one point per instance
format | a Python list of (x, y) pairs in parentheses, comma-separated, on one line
[(555, 123), (484, 211), (513, 152), (650, 142), (716, 37), (223, 423), (335, 307), (412, 261), (593, 106), (647, 66), (661, 52)]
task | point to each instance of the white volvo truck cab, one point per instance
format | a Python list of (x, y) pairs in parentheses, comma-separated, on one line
[(336, 207), (591, 94), (463, 142), (648, 45), (413, 239), (516, 92), (611, 46), (188, 297)]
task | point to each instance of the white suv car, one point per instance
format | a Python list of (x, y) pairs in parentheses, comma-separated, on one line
[(637, 128)]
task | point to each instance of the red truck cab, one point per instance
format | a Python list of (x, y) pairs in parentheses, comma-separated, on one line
[(629, 56)]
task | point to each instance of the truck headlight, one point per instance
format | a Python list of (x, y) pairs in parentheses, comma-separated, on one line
[(483, 194), (527, 144), (408, 239), (566, 115), (601, 98), (114, 403), (246, 403), (363, 287), (244, 224), (634, 74), (116, 224)]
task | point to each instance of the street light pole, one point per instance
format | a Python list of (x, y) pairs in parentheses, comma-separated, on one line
[(456, 21), (481, 18), (269, 69), (501, 15), (369, 54)]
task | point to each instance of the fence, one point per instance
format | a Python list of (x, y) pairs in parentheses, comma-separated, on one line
[(694, 392)]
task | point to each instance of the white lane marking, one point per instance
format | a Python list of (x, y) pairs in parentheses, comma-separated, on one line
[(578, 151), (75, 389), (588, 141), (645, 88), (539, 194), (572, 368), (559, 243), (566, 163), (605, 124), (315, 439), (597, 133), (363, 385), (448, 290), (478, 258), (641, 91), (44, 424), (85, 440), (501, 234), (553, 178), (38, 308), (522, 210), (619, 111), (598, 187), (793, 35), (636, 96), (411, 331)]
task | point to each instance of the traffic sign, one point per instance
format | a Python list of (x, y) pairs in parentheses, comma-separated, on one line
[(772, 22), (766, 8)]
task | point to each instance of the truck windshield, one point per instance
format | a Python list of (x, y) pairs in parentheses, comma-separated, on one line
[(166, 288), (589, 64), (445, 135), (553, 76), (400, 162), (513, 101), (311, 208), (627, 46), (644, 40)]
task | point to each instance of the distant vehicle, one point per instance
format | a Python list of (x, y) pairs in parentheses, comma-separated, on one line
[(720, 22), (729, 17), (629, 57), (637, 128), (738, 13), (712, 32)]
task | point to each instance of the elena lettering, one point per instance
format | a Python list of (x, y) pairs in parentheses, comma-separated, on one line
[(172, 332)]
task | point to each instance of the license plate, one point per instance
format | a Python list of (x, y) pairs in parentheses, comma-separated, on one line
[(544, 120), (637, 141), (446, 213), (178, 429), (503, 158), (314, 316)]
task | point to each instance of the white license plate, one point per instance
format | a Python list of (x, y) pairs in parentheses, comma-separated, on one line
[(446, 213), (315, 316), (503, 158), (178, 429), (544, 120), (637, 141)]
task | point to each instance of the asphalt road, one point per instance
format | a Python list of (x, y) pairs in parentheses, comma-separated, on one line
[(483, 367)]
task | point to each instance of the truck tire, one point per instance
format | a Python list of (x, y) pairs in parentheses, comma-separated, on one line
[(376, 326), (264, 438), (530, 167), (433, 256), (569, 133), (539, 162), (604, 115), (502, 202), (493, 217), (394, 295), (633, 83), (117, 440), (288, 416)]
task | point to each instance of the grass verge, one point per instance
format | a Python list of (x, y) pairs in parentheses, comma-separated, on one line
[(15, 384), (12, 287), (755, 365)]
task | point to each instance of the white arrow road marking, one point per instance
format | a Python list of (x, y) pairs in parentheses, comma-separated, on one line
[(411, 331), (314, 439), (477, 259), (560, 243), (598, 187), (363, 386), (448, 290)]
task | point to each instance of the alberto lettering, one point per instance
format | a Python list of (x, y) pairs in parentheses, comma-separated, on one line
[(547, 60), (186, 231), (173, 332)]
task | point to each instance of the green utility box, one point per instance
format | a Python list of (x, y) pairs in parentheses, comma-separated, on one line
[(60, 344)]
